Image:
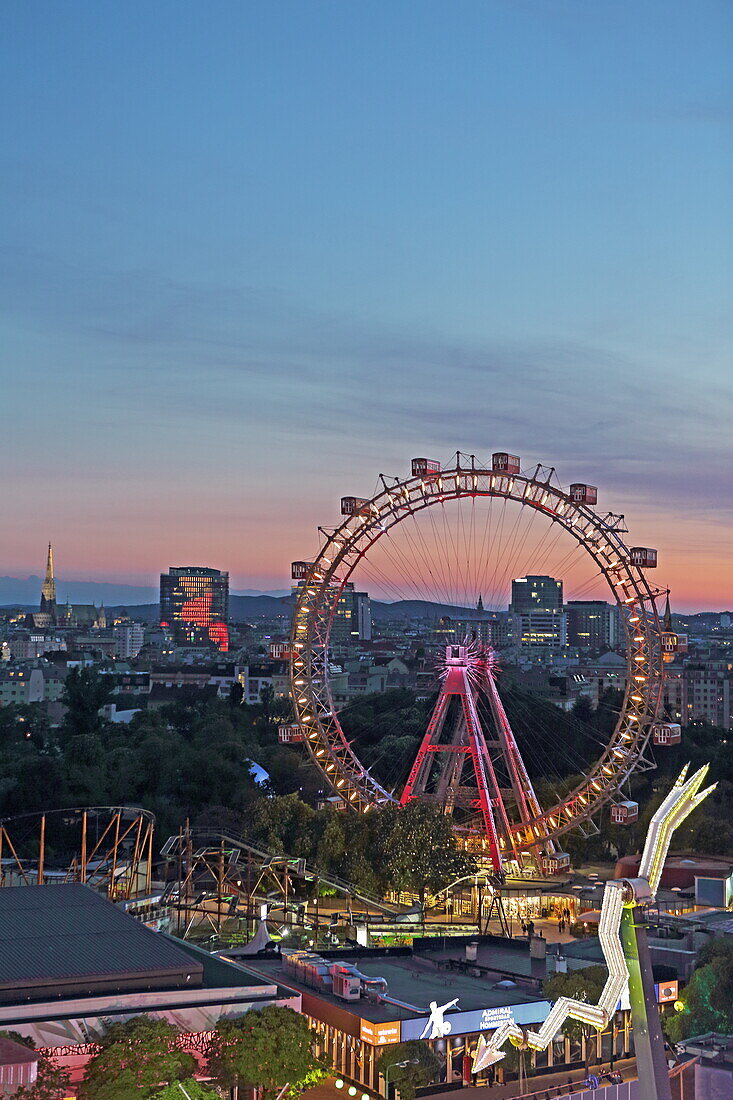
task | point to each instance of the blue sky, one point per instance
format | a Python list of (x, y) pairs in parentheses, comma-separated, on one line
[(254, 253)]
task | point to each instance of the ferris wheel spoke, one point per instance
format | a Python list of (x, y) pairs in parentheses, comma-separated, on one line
[(441, 560)]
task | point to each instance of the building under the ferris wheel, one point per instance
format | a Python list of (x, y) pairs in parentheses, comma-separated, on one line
[(469, 762)]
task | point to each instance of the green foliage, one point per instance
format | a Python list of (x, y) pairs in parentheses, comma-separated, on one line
[(423, 1066), (195, 1090), (178, 760), (415, 849), (266, 1048), (582, 985), (388, 727), (136, 1058), (708, 998), (85, 691)]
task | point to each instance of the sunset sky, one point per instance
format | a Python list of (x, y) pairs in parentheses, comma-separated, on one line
[(254, 254)]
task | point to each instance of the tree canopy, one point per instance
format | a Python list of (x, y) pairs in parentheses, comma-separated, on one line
[(707, 1000), (422, 1066), (265, 1048), (582, 985), (415, 849), (136, 1059)]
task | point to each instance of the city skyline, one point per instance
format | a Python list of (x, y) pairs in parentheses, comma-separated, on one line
[(252, 260)]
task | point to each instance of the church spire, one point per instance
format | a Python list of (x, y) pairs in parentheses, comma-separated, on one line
[(48, 591), (480, 604), (667, 616)]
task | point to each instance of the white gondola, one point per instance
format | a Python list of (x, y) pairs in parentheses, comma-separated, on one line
[(353, 506), (332, 803)]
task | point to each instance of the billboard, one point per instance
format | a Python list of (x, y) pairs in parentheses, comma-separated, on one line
[(481, 1019), (379, 1034)]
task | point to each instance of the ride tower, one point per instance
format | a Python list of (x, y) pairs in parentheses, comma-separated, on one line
[(467, 773)]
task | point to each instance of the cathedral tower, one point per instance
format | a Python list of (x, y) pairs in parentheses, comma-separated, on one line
[(48, 591)]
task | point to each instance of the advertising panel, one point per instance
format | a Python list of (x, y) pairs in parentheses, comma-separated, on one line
[(481, 1019), (379, 1034), (667, 991)]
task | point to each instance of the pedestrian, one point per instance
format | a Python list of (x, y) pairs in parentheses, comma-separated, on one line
[(524, 929), (530, 928)]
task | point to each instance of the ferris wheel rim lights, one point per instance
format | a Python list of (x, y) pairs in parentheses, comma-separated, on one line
[(367, 520)]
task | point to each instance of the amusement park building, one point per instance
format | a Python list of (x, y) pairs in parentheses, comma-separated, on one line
[(72, 963), (358, 1002)]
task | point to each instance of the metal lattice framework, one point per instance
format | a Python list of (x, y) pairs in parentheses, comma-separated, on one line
[(107, 847), (601, 535)]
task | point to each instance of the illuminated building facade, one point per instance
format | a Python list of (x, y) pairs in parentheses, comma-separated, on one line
[(538, 619), (194, 606), (540, 629), (352, 621), (536, 593), (592, 624)]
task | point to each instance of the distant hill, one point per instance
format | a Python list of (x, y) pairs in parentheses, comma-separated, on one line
[(14, 590), (421, 609), (242, 609), (247, 608)]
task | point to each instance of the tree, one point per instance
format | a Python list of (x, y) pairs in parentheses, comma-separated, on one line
[(580, 985), (236, 694), (707, 1001), (415, 849), (85, 691), (52, 1082), (136, 1058), (422, 1066), (266, 1048), (179, 1090)]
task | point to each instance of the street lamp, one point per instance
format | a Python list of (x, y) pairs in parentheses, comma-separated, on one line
[(397, 1065)]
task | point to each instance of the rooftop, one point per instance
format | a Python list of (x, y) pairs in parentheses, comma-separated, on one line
[(13, 1054), (415, 980), (56, 941)]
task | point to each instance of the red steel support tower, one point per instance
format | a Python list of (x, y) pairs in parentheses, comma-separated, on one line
[(456, 765)]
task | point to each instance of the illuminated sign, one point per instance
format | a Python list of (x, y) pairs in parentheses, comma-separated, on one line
[(379, 1034), (481, 1019), (667, 991)]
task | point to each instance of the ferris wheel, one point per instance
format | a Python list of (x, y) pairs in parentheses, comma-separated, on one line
[(440, 536)]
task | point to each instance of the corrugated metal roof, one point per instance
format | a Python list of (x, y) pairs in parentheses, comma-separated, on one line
[(52, 935)]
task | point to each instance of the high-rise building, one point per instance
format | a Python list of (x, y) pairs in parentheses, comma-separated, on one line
[(194, 606), (352, 620), (535, 593), (129, 639), (540, 629), (592, 624)]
